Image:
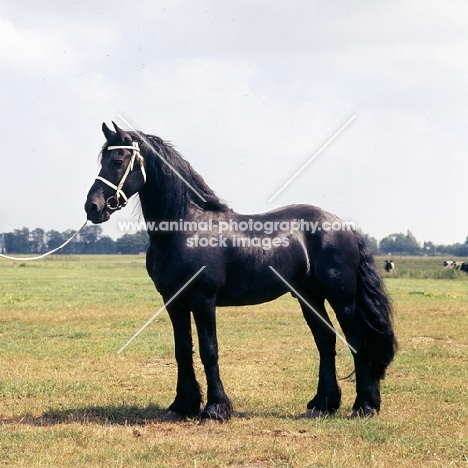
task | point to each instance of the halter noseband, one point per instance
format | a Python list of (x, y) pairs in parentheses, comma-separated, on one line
[(113, 202)]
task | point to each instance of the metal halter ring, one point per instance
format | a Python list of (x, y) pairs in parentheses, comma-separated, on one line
[(110, 203)]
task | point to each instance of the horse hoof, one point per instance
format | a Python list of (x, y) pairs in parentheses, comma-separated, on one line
[(172, 416), (362, 413), (315, 413)]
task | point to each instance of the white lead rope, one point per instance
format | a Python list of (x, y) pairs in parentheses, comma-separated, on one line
[(25, 259)]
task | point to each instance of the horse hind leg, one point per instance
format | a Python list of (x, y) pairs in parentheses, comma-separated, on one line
[(328, 397), (367, 401)]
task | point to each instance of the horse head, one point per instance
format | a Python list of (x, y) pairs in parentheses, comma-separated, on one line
[(122, 175)]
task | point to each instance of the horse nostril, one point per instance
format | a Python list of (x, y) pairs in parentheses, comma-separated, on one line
[(91, 208)]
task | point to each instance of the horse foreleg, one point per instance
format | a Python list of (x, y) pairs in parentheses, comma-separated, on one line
[(188, 398), (218, 406)]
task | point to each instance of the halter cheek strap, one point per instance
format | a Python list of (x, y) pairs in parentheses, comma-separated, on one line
[(113, 202)]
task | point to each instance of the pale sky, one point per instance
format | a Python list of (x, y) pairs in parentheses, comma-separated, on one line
[(247, 91)]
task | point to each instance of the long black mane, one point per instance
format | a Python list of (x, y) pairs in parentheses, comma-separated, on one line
[(174, 194)]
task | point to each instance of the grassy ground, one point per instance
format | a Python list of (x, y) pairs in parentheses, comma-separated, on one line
[(68, 399)]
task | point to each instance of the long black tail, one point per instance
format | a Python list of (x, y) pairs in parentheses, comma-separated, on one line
[(375, 308)]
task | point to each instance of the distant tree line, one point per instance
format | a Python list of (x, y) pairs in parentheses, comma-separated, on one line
[(89, 241), (406, 244), (92, 241)]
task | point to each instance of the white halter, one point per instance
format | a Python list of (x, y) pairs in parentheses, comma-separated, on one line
[(116, 205)]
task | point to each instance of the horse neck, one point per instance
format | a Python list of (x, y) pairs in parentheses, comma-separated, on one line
[(155, 206), (162, 198), (166, 197)]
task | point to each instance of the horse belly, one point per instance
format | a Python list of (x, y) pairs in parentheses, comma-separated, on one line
[(243, 293), (251, 280)]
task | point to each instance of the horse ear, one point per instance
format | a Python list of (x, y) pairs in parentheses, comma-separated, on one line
[(108, 133), (125, 136)]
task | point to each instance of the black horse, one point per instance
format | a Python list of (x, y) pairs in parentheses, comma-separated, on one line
[(248, 259)]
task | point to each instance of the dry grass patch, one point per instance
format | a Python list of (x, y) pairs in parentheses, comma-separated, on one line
[(68, 399)]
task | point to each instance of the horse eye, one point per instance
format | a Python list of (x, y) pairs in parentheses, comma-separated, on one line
[(117, 162)]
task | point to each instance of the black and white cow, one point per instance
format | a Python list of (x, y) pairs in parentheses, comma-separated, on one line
[(463, 266)]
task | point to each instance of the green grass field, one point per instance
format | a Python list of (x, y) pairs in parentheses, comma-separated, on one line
[(68, 399)]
